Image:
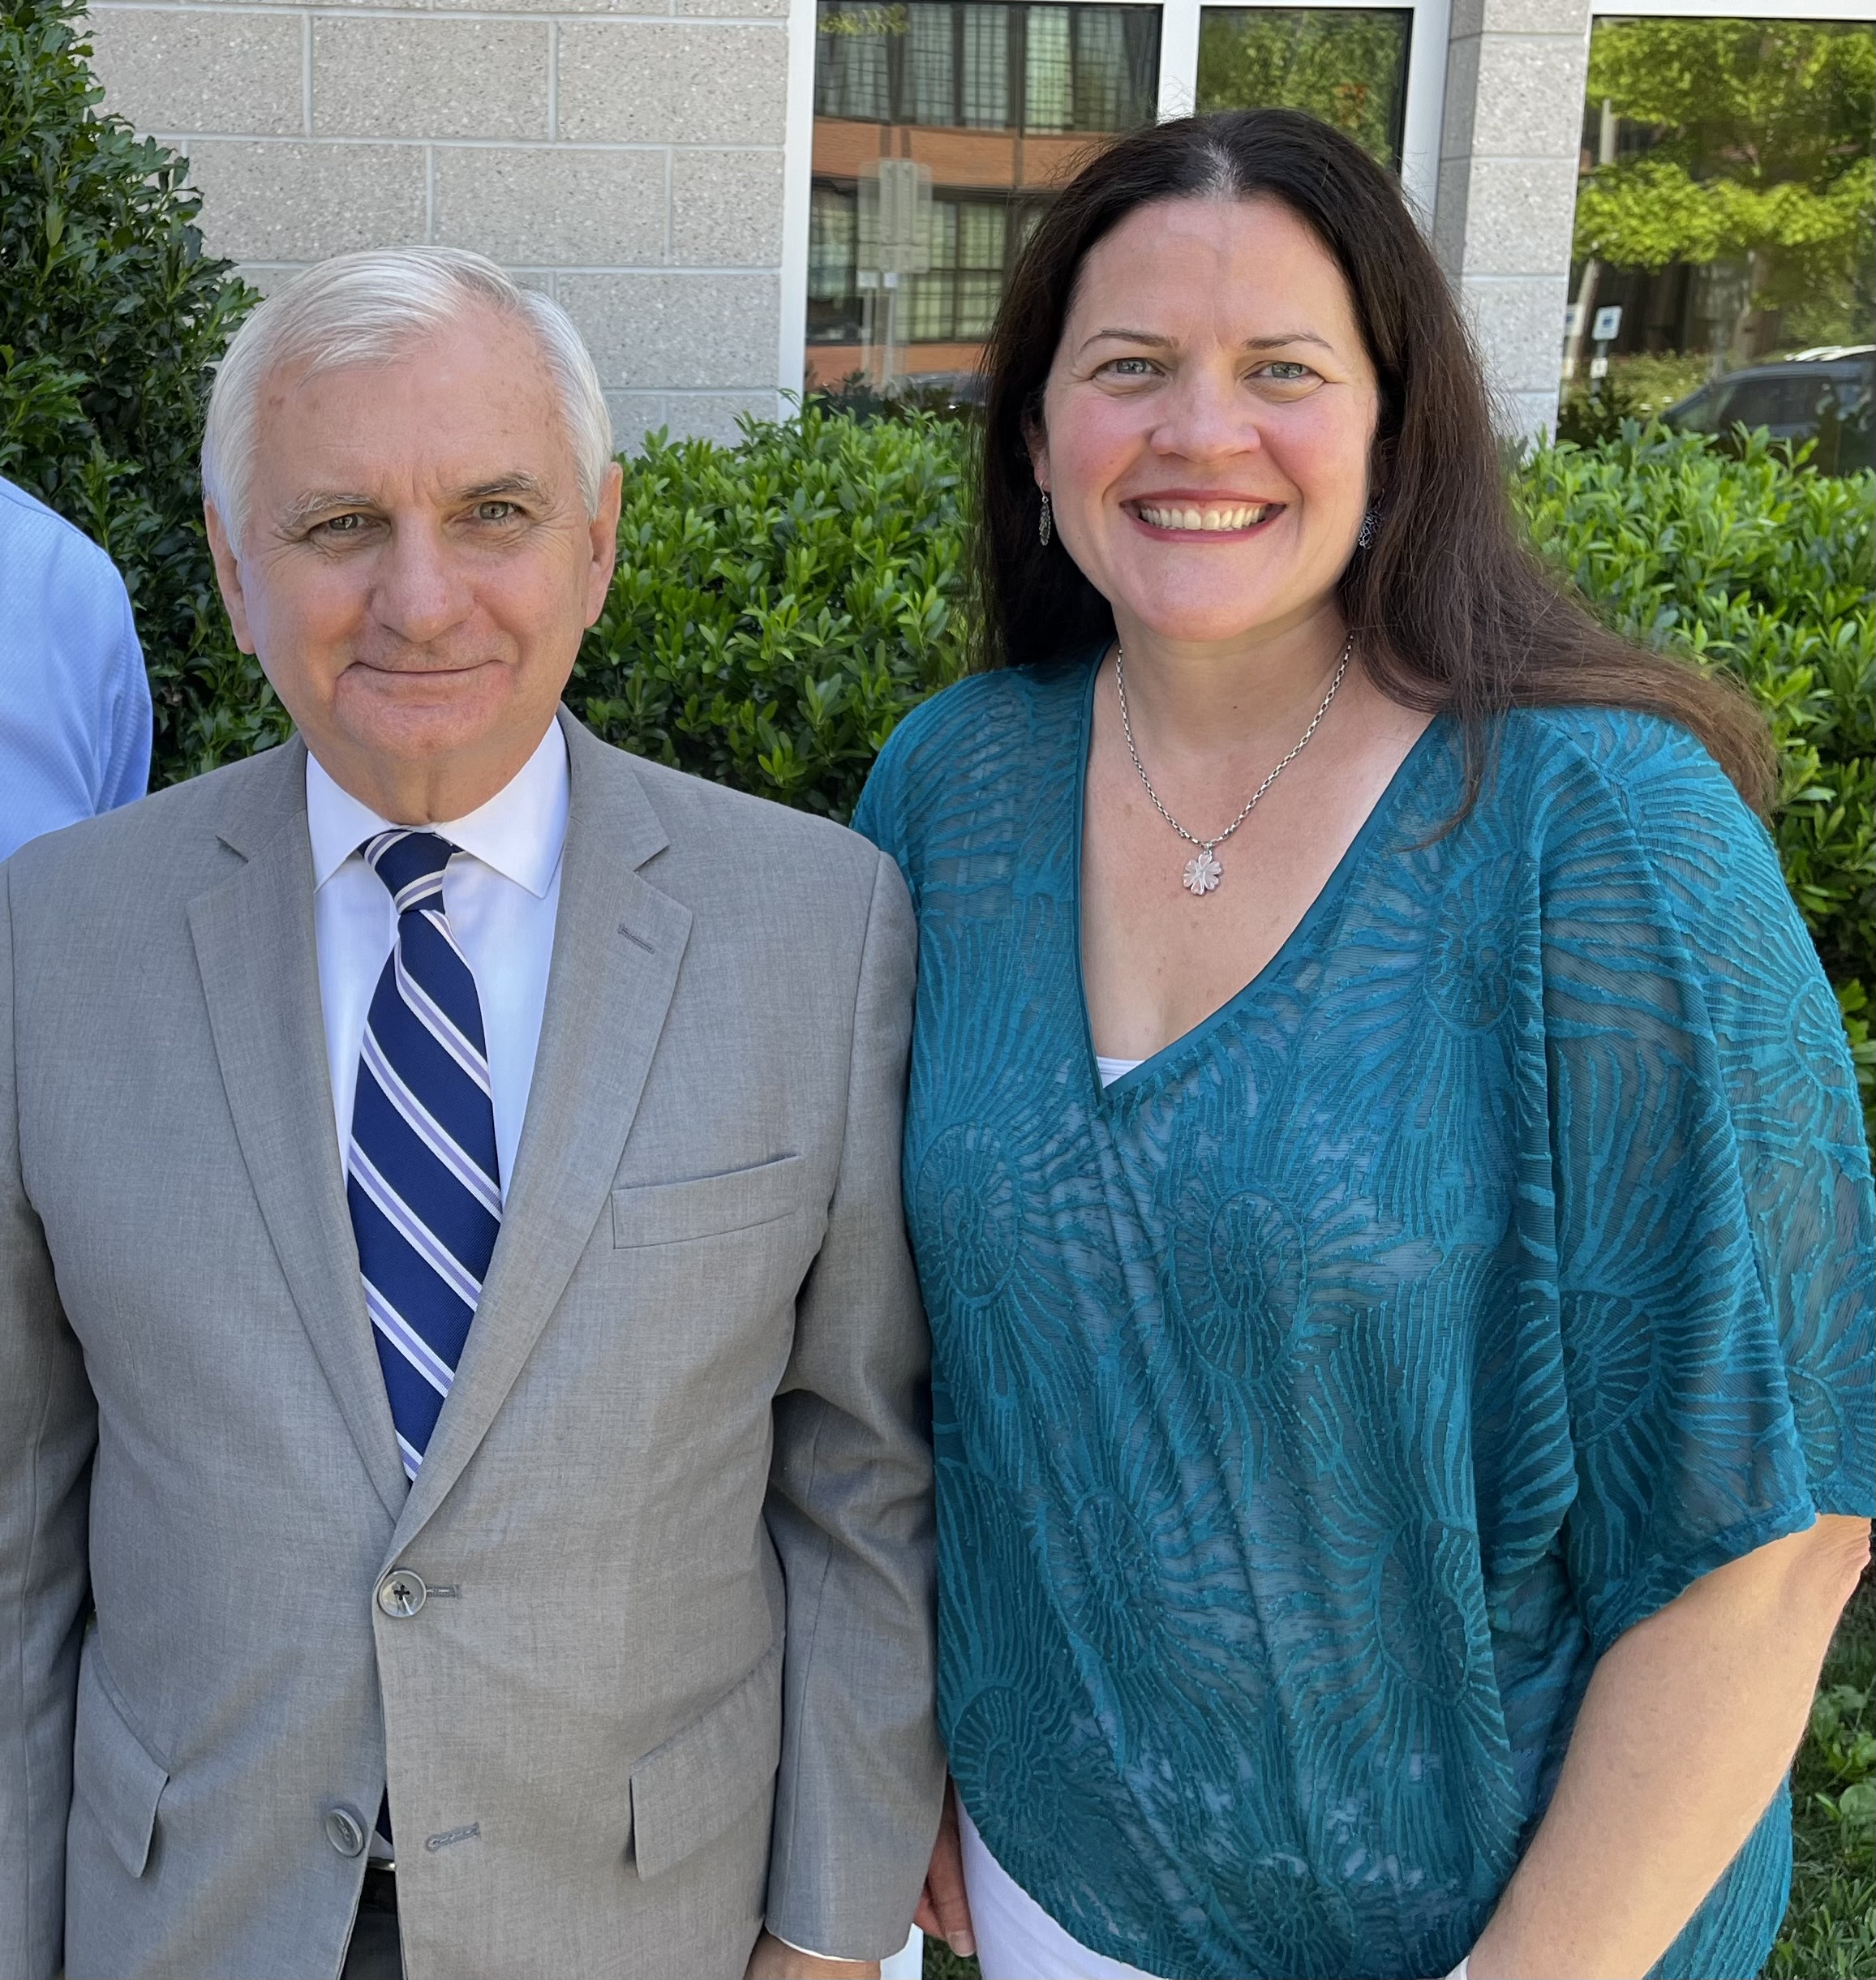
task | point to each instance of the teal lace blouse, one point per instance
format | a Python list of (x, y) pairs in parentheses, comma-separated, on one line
[(1313, 1405)]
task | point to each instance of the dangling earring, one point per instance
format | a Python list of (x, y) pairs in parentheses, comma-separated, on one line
[(1046, 528), (1370, 523)]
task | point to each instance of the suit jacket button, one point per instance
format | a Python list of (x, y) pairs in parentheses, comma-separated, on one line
[(402, 1593), (345, 1832)]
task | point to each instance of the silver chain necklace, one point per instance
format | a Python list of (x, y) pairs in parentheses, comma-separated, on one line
[(1202, 873)]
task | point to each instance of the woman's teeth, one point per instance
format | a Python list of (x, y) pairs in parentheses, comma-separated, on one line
[(1241, 516)]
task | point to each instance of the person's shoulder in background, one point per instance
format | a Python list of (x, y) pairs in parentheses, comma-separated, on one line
[(75, 701)]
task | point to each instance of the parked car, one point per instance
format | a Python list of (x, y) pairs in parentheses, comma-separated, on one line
[(1823, 395)]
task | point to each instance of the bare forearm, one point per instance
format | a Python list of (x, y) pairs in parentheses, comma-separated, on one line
[(1687, 1727)]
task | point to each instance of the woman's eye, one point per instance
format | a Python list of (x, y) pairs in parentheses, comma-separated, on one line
[(1285, 371), (1129, 367)]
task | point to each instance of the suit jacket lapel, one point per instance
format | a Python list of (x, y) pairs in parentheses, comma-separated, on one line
[(255, 947), (617, 944)]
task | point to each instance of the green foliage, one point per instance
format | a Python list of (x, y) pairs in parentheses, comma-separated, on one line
[(1758, 146), (1348, 69), (779, 606), (110, 315), (859, 397), (1640, 384), (1763, 569), (1830, 1931)]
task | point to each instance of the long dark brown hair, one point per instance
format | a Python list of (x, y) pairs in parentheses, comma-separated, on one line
[(1451, 608)]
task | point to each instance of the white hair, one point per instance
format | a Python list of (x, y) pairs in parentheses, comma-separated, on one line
[(365, 308)]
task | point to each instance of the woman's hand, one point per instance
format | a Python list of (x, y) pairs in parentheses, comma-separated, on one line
[(944, 1909)]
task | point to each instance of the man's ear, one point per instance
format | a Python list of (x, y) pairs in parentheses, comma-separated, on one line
[(228, 575), (604, 528)]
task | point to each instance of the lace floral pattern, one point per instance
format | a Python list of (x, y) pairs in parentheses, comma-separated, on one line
[(1315, 1403)]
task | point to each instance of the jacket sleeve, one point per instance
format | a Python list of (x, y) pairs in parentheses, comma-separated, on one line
[(48, 1428), (850, 1510)]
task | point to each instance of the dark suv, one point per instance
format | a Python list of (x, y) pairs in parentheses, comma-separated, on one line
[(1825, 396)]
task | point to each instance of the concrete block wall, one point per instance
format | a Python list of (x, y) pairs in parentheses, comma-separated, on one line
[(628, 161), (1506, 204)]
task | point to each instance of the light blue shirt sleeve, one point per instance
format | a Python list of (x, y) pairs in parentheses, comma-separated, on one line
[(75, 701)]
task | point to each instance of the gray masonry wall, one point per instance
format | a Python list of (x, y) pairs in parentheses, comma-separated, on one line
[(1506, 204), (630, 163)]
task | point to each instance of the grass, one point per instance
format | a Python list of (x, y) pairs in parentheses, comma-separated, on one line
[(1830, 1931), (941, 1963)]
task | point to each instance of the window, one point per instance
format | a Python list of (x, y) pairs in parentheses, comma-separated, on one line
[(955, 300), (1347, 66), (990, 105), (959, 65), (1723, 217), (941, 127)]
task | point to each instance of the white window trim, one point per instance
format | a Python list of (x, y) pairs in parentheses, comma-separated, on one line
[(1178, 84), (1740, 9)]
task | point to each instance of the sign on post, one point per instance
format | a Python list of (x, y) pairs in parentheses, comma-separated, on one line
[(895, 241), (1608, 324)]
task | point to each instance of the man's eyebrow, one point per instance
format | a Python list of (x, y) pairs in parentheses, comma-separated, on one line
[(516, 483), (304, 509)]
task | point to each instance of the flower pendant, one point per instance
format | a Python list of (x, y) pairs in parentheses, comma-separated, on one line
[(1203, 874)]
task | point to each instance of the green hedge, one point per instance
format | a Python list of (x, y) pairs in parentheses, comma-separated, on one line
[(778, 605), (110, 315), (1753, 565)]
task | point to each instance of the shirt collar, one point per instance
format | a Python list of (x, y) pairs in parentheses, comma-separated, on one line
[(519, 832)]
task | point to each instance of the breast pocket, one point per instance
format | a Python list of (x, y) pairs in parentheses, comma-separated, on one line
[(707, 1206)]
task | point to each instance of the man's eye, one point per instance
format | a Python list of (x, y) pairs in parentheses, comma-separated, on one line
[(494, 512), (342, 526)]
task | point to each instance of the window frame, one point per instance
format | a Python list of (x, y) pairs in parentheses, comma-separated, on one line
[(1178, 91), (1735, 10), (1847, 11)]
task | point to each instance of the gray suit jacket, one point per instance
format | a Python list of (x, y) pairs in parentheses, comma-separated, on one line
[(675, 1665)]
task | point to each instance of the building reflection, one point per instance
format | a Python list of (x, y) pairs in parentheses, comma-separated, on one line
[(993, 105)]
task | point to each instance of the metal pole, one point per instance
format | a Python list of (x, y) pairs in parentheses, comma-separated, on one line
[(891, 278)]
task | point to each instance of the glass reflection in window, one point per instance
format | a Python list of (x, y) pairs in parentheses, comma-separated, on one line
[(1346, 65), (986, 107)]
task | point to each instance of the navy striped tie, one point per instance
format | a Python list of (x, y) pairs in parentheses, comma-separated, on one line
[(422, 1177)]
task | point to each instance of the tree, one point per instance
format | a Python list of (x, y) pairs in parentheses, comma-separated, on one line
[(111, 318), (1348, 69), (1754, 146)]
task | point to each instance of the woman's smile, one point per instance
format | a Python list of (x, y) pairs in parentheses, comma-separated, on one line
[(1177, 514)]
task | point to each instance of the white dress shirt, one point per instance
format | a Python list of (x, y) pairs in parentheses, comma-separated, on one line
[(501, 901)]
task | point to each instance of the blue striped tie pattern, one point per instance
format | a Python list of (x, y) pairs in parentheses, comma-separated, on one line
[(422, 1177)]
